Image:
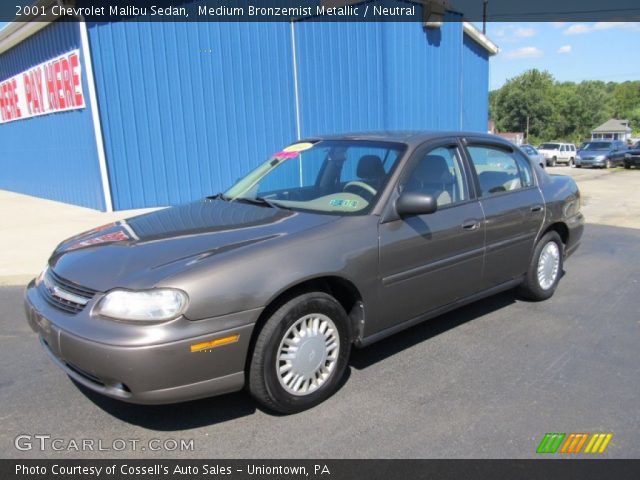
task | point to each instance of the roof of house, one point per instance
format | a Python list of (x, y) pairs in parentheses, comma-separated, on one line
[(613, 125)]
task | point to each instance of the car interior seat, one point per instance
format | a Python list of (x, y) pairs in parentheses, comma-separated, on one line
[(371, 170), (432, 176)]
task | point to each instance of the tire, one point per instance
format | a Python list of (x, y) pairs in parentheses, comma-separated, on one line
[(628, 167), (608, 164), (533, 288), (578, 166), (268, 386), (554, 160), (572, 162)]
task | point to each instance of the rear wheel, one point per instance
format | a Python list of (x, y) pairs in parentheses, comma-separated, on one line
[(572, 162), (300, 354), (545, 268)]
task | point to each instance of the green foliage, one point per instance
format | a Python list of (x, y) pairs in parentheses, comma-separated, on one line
[(565, 111)]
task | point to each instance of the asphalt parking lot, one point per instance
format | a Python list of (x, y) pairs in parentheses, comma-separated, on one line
[(486, 381)]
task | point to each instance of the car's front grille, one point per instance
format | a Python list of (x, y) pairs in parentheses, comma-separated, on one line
[(63, 294)]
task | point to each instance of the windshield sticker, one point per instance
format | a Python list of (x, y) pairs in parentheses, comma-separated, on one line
[(339, 202), (298, 147), (284, 154)]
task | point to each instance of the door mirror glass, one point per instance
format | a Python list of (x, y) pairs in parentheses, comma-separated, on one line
[(415, 203)]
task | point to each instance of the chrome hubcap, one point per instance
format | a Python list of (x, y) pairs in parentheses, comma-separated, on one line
[(307, 354), (548, 265)]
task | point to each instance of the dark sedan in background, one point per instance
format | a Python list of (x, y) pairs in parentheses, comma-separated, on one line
[(332, 242), (632, 156), (601, 153)]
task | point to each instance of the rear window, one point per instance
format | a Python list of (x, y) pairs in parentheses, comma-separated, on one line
[(597, 146)]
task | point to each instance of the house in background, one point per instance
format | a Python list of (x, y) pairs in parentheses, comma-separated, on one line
[(612, 129)]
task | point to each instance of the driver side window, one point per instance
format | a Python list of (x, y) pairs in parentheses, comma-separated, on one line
[(439, 173)]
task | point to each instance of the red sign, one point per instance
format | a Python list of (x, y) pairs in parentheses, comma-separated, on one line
[(52, 86)]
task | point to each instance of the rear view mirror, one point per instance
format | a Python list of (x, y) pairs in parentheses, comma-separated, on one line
[(415, 203)]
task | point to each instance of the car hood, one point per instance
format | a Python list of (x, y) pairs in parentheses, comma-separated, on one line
[(593, 153), (140, 251)]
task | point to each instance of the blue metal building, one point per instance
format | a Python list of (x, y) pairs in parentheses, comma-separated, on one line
[(177, 111)]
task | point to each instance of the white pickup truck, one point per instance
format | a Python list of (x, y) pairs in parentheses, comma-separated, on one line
[(556, 152)]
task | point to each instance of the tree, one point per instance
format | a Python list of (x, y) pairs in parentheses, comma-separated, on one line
[(528, 95), (561, 110)]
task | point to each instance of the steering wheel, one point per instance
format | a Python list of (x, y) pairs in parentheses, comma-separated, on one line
[(359, 186)]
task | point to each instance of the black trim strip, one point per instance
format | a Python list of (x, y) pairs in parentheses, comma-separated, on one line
[(510, 241), (437, 265)]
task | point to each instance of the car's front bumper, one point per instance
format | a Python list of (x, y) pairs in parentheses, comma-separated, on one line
[(163, 369), (591, 162), (632, 161)]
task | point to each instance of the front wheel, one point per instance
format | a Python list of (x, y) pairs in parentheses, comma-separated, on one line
[(300, 354), (627, 166), (545, 268)]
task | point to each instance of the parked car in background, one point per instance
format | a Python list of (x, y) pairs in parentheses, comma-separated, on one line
[(602, 153), (534, 154), (556, 152), (632, 156), (332, 242)]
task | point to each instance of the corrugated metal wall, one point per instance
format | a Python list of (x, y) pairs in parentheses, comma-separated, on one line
[(52, 156), (375, 76), (187, 108), (475, 81)]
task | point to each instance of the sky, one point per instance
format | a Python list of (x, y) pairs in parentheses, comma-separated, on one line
[(605, 51)]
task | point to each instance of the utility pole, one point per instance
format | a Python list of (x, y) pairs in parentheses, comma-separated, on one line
[(484, 16), (527, 128)]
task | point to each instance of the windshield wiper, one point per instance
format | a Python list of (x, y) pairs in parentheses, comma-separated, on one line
[(219, 196), (260, 201)]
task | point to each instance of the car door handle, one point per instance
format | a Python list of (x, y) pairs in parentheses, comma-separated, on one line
[(471, 225), (537, 208)]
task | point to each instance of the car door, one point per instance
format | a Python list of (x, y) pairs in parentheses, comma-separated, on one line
[(563, 156), (513, 208), (427, 261)]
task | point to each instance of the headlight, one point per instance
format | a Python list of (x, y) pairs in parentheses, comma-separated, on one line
[(41, 275), (148, 305), (601, 157)]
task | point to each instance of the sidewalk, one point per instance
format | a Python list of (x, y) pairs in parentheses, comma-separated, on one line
[(32, 227)]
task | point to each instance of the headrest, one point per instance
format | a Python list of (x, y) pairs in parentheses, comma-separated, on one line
[(370, 166), (433, 169)]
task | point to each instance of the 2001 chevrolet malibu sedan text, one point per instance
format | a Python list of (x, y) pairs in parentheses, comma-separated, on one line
[(334, 241)]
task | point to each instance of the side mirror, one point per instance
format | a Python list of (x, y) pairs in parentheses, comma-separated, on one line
[(415, 203)]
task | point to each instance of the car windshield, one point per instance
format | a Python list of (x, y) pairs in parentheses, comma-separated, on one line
[(597, 146), (550, 146), (339, 177), (528, 149)]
